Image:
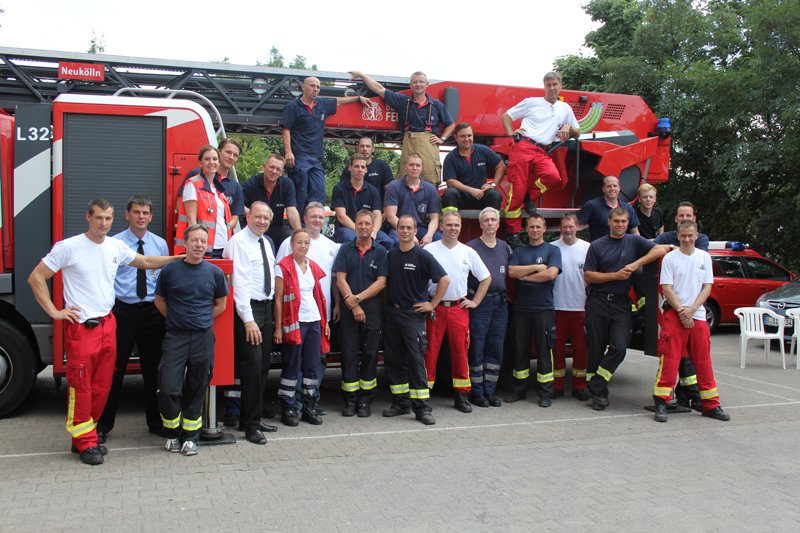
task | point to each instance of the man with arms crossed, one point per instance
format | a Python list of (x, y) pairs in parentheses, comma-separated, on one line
[(361, 268), (569, 294), (89, 264), (686, 279), (610, 262), (451, 316), (190, 294), (534, 267), (410, 270), (253, 326)]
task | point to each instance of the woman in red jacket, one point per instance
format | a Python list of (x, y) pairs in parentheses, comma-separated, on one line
[(203, 202), (301, 328)]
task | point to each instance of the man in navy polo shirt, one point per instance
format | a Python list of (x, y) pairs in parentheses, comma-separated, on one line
[(610, 262), (303, 129), (410, 270), (534, 267), (418, 116), (277, 191), (229, 151), (465, 174), (416, 198), (350, 197), (361, 268), (379, 174), (594, 213)]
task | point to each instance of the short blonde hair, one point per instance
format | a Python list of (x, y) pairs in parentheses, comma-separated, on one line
[(646, 188)]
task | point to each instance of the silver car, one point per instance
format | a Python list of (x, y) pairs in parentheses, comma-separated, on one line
[(780, 300)]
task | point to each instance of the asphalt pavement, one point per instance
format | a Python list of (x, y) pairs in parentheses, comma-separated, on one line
[(514, 468)]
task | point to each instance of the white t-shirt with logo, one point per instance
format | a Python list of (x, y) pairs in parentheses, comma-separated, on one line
[(687, 274), (569, 292), (322, 251), (458, 262), (541, 120), (88, 271), (221, 227)]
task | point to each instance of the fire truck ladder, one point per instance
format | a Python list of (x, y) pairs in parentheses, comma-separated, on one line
[(250, 99)]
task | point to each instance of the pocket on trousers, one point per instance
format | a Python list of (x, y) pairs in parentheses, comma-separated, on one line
[(77, 376), (551, 337), (663, 344), (423, 342)]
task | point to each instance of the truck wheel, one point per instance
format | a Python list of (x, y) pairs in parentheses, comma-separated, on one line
[(712, 315), (17, 368)]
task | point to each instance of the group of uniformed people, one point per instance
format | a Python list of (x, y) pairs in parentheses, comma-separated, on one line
[(404, 288)]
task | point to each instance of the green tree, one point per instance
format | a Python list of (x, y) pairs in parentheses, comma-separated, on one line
[(726, 73), (97, 45)]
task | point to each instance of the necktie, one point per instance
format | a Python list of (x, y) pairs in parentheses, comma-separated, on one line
[(267, 271), (141, 276)]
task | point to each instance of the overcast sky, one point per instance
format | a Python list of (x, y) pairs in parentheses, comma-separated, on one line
[(500, 42)]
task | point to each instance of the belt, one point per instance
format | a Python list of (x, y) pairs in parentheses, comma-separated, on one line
[(495, 294), (449, 303), (401, 307), (538, 145), (611, 297), (139, 304)]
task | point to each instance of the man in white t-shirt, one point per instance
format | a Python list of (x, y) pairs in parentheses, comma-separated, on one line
[(451, 316), (89, 264), (530, 170), (569, 296), (322, 251), (686, 279)]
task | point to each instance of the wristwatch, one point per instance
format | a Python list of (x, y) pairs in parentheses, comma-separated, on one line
[(358, 299)]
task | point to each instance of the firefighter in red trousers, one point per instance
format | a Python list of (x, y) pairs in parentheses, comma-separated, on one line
[(88, 263), (530, 170), (686, 279), (451, 315)]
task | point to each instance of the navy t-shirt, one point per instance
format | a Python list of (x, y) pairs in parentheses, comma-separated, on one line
[(472, 172), (418, 204), (409, 273), (608, 255), (595, 213), (418, 115), (648, 225), (282, 196), (379, 175), (496, 260), (190, 291), (362, 271), (344, 195), (529, 296), (233, 192), (307, 129)]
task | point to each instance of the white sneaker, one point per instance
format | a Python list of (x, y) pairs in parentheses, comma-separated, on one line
[(189, 448), (173, 445)]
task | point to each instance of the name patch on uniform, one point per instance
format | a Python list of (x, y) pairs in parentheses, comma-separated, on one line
[(409, 266)]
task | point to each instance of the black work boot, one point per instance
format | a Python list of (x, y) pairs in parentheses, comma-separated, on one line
[(289, 417), (661, 409), (309, 414)]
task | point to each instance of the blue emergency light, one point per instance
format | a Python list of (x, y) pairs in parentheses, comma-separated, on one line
[(664, 128)]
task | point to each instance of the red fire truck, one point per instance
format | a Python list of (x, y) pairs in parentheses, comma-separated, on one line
[(76, 126)]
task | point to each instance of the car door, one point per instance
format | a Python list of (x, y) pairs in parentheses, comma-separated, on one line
[(732, 287), (766, 275)]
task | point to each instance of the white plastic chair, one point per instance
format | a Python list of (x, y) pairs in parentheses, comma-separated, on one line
[(751, 326), (794, 314)]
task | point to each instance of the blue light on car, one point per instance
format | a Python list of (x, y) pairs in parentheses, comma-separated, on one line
[(736, 246)]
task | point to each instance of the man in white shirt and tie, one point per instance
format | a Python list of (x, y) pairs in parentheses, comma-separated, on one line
[(253, 290)]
